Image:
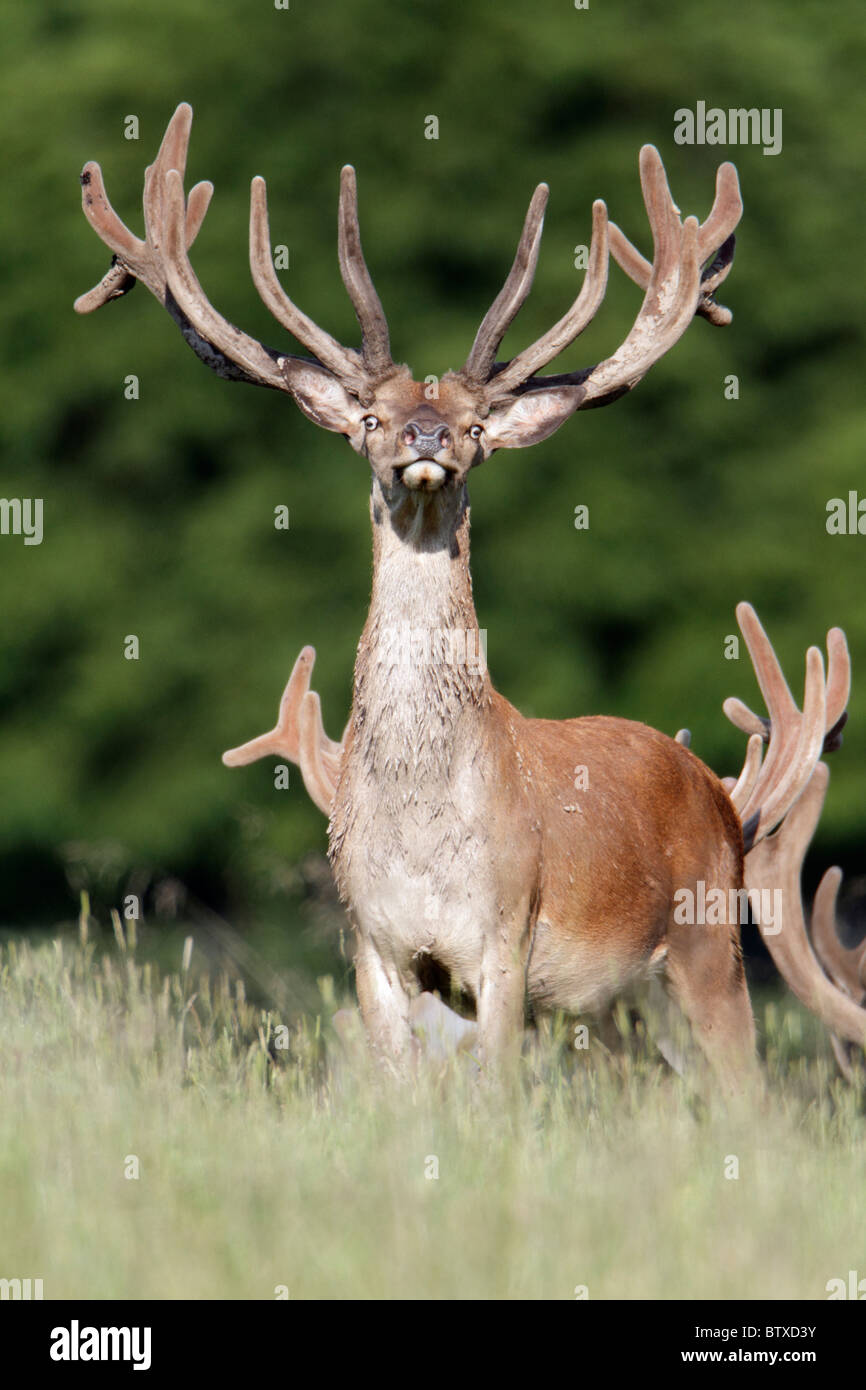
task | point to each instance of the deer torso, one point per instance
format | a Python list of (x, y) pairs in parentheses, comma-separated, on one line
[(455, 815)]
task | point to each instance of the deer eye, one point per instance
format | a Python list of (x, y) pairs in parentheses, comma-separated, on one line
[(370, 422), (475, 432)]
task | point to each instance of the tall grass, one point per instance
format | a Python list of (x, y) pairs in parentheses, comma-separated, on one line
[(261, 1166)]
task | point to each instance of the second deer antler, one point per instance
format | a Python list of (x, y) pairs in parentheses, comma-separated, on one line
[(766, 790), (298, 735)]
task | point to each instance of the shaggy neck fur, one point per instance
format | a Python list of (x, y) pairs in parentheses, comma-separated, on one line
[(421, 683)]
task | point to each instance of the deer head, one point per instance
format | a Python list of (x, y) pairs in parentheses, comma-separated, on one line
[(420, 441)]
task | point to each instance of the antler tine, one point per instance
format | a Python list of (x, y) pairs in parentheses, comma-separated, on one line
[(376, 348), (197, 204), (795, 740), (101, 215), (774, 794), (284, 738), (713, 234), (581, 313), (845, 967), (501, 314), (777, 697), (667, 310), (838, 675), (768, 673), (319, 782), (664, 219), (742, 789), (715, 238), (838, 687), (344, 362), (134, 259), (774, 686), (241, 355), (172, 154), (744, 719), (104, 220), (725, 213), (776, 863), (843, 964), (299, 735)]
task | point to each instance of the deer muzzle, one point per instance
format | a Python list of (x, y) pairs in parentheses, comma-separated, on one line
[(424, 475)]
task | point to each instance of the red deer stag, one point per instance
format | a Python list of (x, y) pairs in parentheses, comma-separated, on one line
[(456, 836)]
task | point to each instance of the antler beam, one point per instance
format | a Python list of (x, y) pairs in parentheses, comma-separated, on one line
[(776, 864)]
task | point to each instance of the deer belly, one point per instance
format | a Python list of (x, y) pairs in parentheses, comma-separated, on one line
[(584, 973)]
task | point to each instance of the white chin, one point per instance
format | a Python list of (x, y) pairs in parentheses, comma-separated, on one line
[(424, 476)]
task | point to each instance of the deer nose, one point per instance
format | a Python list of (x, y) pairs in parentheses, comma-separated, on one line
[(426, 441)]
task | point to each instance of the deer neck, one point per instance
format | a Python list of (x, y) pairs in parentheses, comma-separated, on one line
[(421, 689)]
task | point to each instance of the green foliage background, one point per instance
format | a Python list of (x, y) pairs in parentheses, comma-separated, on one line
[(159, 512)]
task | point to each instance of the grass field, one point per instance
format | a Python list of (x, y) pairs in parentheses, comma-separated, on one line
[(261, 1166)]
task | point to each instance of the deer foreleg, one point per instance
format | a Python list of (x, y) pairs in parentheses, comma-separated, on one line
[(501, 996), (384, 1001)]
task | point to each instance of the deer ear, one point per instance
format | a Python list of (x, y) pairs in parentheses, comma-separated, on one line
[(321, 396), (531, 417)]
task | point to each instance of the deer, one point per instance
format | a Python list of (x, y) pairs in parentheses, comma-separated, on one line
[(459, 844)]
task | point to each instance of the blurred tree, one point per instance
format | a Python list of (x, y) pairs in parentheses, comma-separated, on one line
[(159, 510)]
